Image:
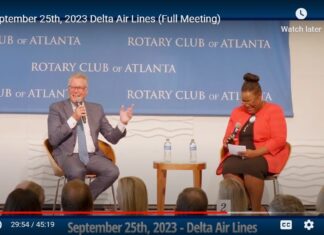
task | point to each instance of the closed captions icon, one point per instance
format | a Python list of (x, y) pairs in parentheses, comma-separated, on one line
[(286, 224)]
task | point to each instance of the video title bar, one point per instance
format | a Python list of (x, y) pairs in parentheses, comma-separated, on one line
[(227, 10)]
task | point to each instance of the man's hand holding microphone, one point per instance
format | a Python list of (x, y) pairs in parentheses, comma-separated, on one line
[(80, 111)]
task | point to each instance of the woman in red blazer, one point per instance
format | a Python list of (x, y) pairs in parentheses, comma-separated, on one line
[(261, 127)]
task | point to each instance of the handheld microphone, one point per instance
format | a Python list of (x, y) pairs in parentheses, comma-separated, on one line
[(231, 137), (79, 103)]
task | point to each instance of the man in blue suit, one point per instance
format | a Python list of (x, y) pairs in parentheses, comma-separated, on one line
[(64, 119)]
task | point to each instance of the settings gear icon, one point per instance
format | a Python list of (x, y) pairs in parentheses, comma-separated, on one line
[(308, 224)]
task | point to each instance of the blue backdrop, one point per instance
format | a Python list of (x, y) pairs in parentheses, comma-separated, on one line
[(168, 69)]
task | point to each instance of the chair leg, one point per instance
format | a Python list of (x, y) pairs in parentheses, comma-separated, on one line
[(114, 198), (275, 187), (56, 193)]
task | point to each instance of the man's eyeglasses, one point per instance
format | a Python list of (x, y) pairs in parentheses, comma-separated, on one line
[(78, 88)]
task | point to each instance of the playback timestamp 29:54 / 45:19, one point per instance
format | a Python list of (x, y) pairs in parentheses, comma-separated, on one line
[(32, 224)]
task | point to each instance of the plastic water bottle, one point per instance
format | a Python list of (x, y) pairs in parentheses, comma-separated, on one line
[(167, 150), (193, 151)]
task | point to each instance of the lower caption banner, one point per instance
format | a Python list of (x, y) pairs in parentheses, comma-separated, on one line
[(161, 225)]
